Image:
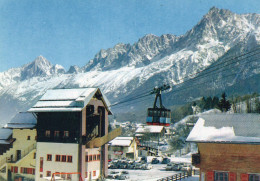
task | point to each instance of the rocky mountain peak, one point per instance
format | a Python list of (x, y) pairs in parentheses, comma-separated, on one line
[(40, 67)]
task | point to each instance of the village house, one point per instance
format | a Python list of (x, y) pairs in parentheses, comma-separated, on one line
[(72, 132), (149, 137), (228, 147), (17, 157), (123, 147)]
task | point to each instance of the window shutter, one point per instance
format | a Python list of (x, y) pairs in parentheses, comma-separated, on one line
[(15, 169), (244, 177), (210, 176), (232, 176)]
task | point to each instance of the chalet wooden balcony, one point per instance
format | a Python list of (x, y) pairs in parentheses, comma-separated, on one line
[(196, 159), (99, 141)]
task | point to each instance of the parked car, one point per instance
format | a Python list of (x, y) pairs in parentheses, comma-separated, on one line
[(113, 175), (122, 177), (169, 166), (155, 161), (131, 166), (186, 167), (144, 159), (173, 167), (138, 166), (176, 167), (123, 164), (124, 172), (166, 160), (147, 166)]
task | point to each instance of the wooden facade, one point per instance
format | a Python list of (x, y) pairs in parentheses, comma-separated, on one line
[(228, 147), (238, 160)]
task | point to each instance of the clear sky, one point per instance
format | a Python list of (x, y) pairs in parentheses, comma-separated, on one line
[(71, 32)]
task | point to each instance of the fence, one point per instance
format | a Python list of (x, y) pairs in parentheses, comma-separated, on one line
[(178, 176)]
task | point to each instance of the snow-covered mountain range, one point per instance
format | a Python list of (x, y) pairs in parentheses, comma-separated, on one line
[(125, 70)]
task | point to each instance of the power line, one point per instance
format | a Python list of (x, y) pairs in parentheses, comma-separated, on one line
[(210, 67), (177, 90), (200, 76)]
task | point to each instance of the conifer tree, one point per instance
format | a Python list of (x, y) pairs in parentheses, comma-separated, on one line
[(224, 104)]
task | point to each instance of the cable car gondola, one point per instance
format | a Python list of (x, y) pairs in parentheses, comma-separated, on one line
[(158, 115)]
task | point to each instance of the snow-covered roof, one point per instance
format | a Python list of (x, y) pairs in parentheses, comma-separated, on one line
[(5, 133), (4, 142), (149, 129), (22, 120), (233, 128), (121, 141), (61, 100)]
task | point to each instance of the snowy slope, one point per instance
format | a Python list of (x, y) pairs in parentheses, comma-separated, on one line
[(39, 67), (126, 70)]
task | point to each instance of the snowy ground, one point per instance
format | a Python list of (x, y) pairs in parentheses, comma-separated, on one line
[(157, 172)]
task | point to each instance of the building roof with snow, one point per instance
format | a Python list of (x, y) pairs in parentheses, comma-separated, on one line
[(150, 129), (227, 128), (63, 100), (22, 120), (5, 135), (122, 141)]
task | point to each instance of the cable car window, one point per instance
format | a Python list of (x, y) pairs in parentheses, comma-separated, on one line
[(164, 114)]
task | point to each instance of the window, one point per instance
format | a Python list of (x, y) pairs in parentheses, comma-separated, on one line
[(48, 173), (41, 164), (90, 158), (48, 133), (57, 158), (69, 159), (68, 176), (254, 177), (98, 157), (94, 157), (49, 157), (63, 175), (56, 134), (28, 137), (63, 158), (94, 173), (221, 176), (86, 159), (34, 156), (66, 134)]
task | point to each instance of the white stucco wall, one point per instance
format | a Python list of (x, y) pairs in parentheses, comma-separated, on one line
[(56, 149), (93, 165)]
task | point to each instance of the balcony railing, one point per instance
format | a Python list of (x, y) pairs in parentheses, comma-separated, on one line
[(24, 153), (99, 141)]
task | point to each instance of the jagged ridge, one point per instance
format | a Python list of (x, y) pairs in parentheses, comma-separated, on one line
[(127, 70)]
